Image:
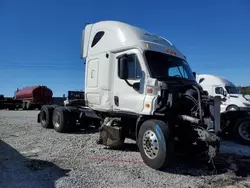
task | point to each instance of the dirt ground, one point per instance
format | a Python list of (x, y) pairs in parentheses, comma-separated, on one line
[(31, 156)]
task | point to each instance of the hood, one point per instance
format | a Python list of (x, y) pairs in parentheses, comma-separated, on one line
[(236, 95), (247, 97), (241, 96), (239, 100)]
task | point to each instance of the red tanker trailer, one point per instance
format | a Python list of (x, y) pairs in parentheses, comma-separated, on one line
[(34, 96)]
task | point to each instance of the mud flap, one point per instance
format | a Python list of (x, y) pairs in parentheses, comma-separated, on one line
[(111, 136)]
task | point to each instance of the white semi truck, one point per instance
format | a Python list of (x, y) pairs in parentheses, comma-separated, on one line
[(235, 107), (140, 86), (220, 86)]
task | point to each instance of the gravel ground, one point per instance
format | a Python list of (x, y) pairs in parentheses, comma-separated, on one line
[(31, 156)]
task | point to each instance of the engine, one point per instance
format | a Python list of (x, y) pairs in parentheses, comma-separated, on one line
[(194, 116)]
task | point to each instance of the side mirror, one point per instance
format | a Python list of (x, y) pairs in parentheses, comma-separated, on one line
[(123, 68), (224, 93), (136, 86)]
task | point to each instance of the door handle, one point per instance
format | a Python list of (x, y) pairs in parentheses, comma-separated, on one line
[(92, 74), (116, 100)]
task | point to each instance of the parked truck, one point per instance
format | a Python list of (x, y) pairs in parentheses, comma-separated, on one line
[(29, 98), (9, 103), (140, 86), (235, 107), (220, 86)]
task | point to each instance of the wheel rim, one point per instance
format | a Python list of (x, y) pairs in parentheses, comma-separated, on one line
[(244, 130), (150, 144), (57, 120)]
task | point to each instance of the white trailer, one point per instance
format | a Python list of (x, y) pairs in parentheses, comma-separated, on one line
[(139, 85), (220, 86)]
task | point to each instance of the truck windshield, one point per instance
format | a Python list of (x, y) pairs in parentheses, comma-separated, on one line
[(165, 66), (232, 90)]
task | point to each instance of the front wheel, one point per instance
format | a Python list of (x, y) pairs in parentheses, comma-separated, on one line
[(156, 144), (232, 108)]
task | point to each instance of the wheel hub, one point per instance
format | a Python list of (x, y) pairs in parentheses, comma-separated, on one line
[(150, 144), (57, 120)]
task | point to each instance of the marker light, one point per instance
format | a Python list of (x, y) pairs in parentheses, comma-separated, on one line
[(147, 105), (147, 46), (167, 50), (174, 52), (149, 90)]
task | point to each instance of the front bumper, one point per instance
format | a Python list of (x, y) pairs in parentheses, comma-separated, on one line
[(244, 108)]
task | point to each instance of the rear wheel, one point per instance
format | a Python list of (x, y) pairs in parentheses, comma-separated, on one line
[(62, 120), (46, 116), (28, 105), (242, 131), (24, 106), (12, 107), (156, 144)]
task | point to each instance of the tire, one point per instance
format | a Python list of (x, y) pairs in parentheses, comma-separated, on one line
[(28, 105), (165, 147), (12, 108), (46, 116), (232, 107), (241, 135), (61, 119), (24, 106)]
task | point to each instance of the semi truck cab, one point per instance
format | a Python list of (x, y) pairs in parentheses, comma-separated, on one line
[(125, 66), (139, 85), (219, 86)]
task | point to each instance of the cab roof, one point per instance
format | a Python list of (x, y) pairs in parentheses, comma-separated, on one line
[(114, 36), (208, 79)]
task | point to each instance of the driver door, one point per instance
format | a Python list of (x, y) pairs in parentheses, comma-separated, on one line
[(125, 97)]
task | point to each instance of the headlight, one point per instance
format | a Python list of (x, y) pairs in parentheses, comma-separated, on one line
[(247, 97)]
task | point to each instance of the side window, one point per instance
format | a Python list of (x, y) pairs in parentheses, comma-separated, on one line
[(134, 68), (201, 80), (173, 71), (97, 38), (219, 90)]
